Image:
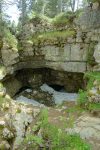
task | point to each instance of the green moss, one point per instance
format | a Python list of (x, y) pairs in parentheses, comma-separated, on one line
[(2, 100), (93, 106), (10, 39), (53, 36), (18, 110)]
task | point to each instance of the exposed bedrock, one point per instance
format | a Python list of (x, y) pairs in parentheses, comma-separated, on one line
[(69, 49), (56, 58)]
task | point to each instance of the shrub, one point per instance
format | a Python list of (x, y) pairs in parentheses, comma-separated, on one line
[(64, 19)]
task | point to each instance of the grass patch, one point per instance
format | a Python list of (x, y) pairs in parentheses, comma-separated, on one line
[(93, 106), (53, 36), (52, 137)]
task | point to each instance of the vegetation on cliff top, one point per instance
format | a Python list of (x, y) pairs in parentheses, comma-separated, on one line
[(51, 37)]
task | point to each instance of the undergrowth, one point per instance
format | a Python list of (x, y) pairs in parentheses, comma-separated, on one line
[(83, 94), (52, 138)]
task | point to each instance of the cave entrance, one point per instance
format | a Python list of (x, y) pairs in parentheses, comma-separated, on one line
[(57, 87), (53, 83), (24, 88)]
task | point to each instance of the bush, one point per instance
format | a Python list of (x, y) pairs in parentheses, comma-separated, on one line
[(64, 19)]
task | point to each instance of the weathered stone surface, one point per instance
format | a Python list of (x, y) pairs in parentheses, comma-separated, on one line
[(97, 53), (90, 19), (4, 145), (78, 52), (9, 56), (95, 6), (12, 86), (15, 122), (3, 72), (7, 134), (67, 66), (89, 129), (68, 54)]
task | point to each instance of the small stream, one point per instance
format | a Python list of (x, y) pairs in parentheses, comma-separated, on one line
[(58, 96)]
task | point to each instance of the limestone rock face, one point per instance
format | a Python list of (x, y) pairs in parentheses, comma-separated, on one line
[(12, 86), (89, 128), (7, 134), (90, 17), (14, 122), (69, 54), (4, 145), (97, 53), (9, 56)]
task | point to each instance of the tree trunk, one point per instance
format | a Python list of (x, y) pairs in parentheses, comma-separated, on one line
[(72, 4)]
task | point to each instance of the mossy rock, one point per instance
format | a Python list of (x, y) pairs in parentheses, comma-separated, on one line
[(53, 37), (1, 43)]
